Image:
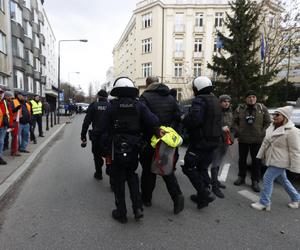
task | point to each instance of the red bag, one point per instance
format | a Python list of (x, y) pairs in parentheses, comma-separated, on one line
[(228, 139)]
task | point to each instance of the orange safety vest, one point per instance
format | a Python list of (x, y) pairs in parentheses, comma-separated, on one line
[(16, 104)]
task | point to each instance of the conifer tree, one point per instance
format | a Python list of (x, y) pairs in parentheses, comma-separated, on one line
[(241, 64)]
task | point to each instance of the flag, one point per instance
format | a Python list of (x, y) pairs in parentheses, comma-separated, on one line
[(262, 47)]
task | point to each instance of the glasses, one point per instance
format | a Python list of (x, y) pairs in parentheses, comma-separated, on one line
[(276, 114)]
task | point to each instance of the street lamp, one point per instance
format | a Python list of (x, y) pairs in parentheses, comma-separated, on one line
[(69, 82), (58, 68)]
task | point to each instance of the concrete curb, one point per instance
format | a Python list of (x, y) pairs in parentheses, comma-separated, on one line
[(17, 175)]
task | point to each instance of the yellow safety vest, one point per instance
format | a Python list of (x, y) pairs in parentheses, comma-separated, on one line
[(36, 107), (171, 138)]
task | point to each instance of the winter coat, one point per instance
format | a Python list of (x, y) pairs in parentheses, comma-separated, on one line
[(251, 133), (227, 120), (281, 147)]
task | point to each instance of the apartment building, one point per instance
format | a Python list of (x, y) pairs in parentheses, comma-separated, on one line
[(171, 39), (5, 49)]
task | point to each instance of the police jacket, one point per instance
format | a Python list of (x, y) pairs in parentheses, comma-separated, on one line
[(96, 116), (251, 132), (158, 99), (203, 122)]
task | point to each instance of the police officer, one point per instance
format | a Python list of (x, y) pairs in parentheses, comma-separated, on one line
[(96, 116), (203, 123), (128, 118)]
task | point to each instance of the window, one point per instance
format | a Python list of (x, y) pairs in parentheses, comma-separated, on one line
[(147, 20), (28, 4), (38, 87), (199, 20), (29, 57), (147, 45), (178, 45), (19, 82), (179, 22), (3, 80), (218, 19), (16, 13), (28, 29), (37, 65), (146, 69), (2, 42), (18, 47), (30, 84), (2, 7), (178, 69), (197, 69), (36, 41), (198, 45), (35, 17)]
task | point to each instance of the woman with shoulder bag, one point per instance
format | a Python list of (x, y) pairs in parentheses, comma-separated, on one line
[(280, 150)]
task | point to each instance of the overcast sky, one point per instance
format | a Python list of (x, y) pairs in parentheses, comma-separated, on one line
[(101, 22)]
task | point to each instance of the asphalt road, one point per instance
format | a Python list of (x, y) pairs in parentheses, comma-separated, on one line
[(60, 206)]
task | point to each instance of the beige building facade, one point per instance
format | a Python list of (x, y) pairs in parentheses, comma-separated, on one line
[(171, 39)]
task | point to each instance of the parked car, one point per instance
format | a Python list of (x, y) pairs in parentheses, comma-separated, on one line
[(82, 107)]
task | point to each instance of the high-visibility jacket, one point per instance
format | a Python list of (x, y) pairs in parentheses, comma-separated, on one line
[(18, 114), (171, 138), (2, 112), (36, 107)]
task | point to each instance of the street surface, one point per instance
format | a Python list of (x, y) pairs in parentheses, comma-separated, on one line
[(61, 206)]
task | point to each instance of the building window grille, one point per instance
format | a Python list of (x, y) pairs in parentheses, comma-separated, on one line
[(199, 20), (147, 45), (178, 67), (219, 19), (146, 69), (147, 20), (198, 45)]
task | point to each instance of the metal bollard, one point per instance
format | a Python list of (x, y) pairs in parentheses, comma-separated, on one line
[(51, 119), (54, 118), (47, 122)]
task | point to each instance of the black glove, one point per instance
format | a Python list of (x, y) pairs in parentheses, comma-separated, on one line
[(83, 141)]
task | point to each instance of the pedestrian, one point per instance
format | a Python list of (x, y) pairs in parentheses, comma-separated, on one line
[(251, 120), (128, 118), (95, 116), (4, 124), (16, 106), (158, 99), (203, 123), (280, 150), (37, 116), (221, 150), (24, 121)]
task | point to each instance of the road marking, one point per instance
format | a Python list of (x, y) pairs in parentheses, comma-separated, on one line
[(250, 196), (224, 172)]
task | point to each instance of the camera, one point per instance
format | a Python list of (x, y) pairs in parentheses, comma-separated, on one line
[(250, 119)]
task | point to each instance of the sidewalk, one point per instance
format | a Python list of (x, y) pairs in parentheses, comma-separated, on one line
[(16, 167)]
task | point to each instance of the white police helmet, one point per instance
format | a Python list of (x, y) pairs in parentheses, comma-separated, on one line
[(202, 82), (123, 86)]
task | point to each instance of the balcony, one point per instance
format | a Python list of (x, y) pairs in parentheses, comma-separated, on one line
[(179, 28), (198, 29), (178, 54), (198, 55)]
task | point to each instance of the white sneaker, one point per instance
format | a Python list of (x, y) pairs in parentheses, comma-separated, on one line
[(261, 207), (293, 204)]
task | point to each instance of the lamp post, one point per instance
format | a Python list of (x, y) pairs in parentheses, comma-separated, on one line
[(75, 72), (58, 69)]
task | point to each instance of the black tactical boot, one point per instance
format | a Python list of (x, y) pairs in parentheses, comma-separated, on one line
[(215, 182), (255, 186), (221, 185), (118, 217), (178, 204), (239, 181), (218, 192), (138, 214), (98, 176)]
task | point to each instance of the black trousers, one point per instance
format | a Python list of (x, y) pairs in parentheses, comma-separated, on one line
[(121, 173), (148, 179), (36, 119), (255, 167), (97, 150), (196, 163)]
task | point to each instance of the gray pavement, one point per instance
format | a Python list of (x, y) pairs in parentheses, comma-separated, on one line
[(16, 167)]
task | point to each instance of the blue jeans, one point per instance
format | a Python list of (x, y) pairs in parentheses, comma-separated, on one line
[(23, 136), (271, 174), (2, 136)]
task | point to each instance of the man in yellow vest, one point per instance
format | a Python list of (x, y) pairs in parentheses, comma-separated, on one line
[(37, 113)]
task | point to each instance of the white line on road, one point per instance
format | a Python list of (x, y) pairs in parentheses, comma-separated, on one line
[(224, 172), (250, 196)]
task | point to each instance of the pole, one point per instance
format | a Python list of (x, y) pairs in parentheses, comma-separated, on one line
[(288, 71), (58, 101)]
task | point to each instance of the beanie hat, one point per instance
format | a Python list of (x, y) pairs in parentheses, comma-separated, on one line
[(285, 111), (8, 94), (224, 98), (250, 92), (102, 93)]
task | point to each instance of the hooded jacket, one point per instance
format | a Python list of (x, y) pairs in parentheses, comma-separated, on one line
[(158, 99), (281, 147)]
